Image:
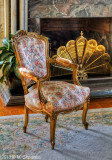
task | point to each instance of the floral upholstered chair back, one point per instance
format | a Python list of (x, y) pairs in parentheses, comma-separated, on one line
[(32, 53)]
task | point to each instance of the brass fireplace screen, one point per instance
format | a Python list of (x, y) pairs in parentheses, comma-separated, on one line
[(91, 57)]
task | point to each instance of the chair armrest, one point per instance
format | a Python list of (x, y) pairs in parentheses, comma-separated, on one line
[(64, 62), (67, 63), (28, 74)]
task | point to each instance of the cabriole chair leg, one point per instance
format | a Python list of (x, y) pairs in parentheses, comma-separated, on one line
[(26, 119), (85, 109), (52, 130)]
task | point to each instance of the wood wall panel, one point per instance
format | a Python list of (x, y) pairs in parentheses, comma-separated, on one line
[(1, 20)]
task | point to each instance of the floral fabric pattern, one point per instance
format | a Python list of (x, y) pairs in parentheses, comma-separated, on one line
[(60, 95), (32, 55)]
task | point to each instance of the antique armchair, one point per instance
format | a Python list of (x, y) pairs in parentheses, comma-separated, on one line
[(47, 97)]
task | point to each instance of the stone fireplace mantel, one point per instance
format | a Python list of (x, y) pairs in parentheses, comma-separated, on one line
[(71, 8), (67, 9)]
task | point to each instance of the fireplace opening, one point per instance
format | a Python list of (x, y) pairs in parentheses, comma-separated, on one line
[(61, 30)]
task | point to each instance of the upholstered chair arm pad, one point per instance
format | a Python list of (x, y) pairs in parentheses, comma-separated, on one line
[(64, 62), (28, 74)]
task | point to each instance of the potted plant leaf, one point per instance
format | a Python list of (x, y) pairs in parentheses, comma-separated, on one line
[(8, 65)]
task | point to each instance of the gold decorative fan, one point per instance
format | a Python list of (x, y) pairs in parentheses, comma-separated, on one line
[(90, 56)]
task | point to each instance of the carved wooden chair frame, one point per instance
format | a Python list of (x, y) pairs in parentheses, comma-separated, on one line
[(52, 115)]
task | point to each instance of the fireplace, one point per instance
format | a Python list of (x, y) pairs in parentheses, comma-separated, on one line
[(61, 30), (63, 20)]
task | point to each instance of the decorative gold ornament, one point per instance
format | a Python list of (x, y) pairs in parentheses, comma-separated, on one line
[(90, 56)]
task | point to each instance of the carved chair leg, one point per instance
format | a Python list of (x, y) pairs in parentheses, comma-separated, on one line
[(52, 130), (46, 117), (26, 119), (85, 109)]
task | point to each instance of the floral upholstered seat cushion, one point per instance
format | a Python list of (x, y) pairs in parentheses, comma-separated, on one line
[(59, 95)]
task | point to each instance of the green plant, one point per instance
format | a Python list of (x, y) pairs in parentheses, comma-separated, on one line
[(8, 63)]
